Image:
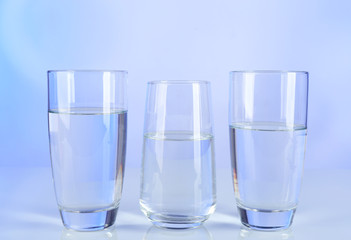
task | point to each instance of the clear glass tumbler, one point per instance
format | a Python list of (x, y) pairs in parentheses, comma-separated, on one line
[(178, 188), (87, 130), (267, 127)]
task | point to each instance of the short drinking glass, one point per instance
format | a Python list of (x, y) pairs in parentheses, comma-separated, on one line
[(268, 126), (87, 130), (178, 173)]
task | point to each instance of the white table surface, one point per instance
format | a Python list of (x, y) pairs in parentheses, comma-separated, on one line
[(28, 210)]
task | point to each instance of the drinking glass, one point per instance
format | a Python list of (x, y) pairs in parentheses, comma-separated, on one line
[(87, 131), (178, 173), (268, 127)]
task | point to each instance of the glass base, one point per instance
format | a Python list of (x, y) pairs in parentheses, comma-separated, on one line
[(88, 221), (176, 221), (266, 220)]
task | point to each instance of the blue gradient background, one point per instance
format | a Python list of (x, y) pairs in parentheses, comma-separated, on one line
[(175, 39)]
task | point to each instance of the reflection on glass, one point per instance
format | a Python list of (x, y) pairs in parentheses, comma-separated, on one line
[(156, 233), (107, 234), (249, 234)]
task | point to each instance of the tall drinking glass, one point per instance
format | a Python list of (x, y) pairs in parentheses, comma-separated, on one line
[(87, 130), (268, 126), (178, 174)]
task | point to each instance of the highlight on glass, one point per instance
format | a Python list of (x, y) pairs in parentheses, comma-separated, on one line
[(87, 132), (178, 188), (268, 128)]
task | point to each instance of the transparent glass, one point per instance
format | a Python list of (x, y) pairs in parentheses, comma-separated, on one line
[(267, 127), (178, 188), (87, 132)]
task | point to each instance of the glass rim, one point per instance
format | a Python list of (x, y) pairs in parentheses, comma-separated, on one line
[(86, 70), (270, 71), (169, 82)]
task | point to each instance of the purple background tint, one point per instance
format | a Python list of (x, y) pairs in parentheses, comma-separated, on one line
[(176, 39)]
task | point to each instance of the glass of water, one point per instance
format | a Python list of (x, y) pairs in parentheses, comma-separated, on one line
[(268, 127), (178, 187), (87, 130)]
